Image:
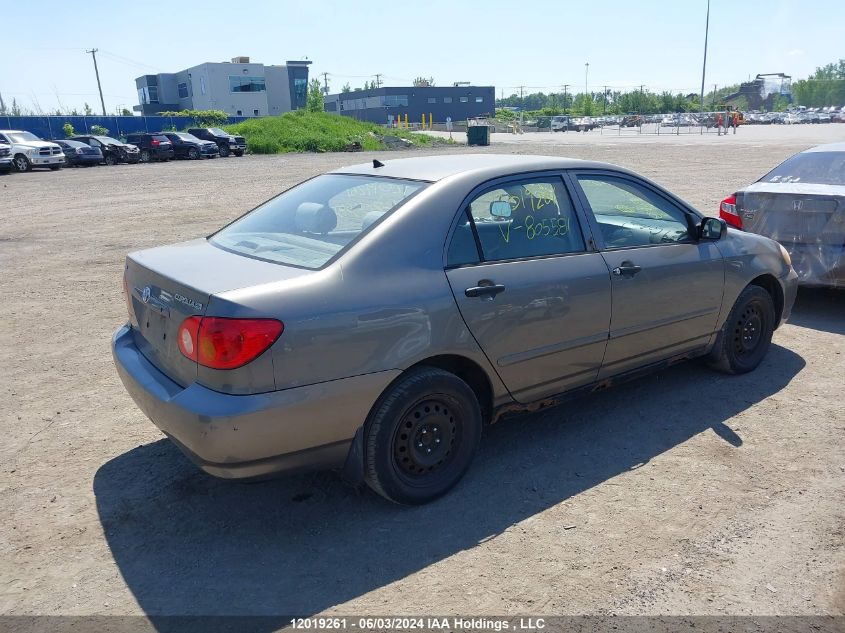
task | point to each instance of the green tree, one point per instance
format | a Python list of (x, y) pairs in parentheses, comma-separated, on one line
[(315, 102), (99, 130), (87, 109), (67, 128), (346, 88), (16, 109)]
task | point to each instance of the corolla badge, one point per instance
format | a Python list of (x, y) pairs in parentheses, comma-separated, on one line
[(145, 294)]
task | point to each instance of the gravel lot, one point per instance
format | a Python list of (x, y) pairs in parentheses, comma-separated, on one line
[(687, 492)]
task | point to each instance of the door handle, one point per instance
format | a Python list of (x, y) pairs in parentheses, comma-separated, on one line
[(627, 269), (488, 289)]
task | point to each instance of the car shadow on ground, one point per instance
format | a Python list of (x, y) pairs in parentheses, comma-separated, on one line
[(820, 309), (189, 544)]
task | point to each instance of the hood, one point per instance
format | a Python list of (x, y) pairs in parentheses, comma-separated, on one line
[(38, 144)]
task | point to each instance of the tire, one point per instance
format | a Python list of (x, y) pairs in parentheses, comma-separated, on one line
[(224, 151), (145, 156), (22, 163), (745, 338), (55, 167), (193, 153), (421, 436), (110, 160), (238, 153)]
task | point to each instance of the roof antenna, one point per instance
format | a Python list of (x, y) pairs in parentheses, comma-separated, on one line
[(377, 164)]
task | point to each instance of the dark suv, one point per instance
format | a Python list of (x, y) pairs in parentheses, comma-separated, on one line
[(114, 151), (189, 146), (153, 146), (228, 143)]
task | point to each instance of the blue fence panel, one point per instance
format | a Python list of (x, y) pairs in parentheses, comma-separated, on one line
[(48, 127)]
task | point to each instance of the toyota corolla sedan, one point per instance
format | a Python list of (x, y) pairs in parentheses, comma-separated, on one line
[(373, 319)]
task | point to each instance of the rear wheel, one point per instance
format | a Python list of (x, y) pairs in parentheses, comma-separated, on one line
[(421, 436), (747, 334), (22, 163)]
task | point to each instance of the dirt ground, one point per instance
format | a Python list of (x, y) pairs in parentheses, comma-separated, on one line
[(687, 492)]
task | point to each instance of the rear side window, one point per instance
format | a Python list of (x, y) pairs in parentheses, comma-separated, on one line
[(527, 218), (818, 168), (309, 225), (161, 138)]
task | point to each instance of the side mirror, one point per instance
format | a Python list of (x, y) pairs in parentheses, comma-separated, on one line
[(712, 229), (500, 209)]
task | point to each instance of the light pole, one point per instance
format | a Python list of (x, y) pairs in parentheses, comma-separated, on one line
[(704, 64), (586, 78)]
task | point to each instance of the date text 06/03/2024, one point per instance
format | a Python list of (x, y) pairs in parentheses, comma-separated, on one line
[(419, 623)]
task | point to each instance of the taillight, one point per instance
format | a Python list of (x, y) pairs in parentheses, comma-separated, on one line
[(728, 212), (155, 143), (222, 343)]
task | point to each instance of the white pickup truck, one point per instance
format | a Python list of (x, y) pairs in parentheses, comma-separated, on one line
[(29, 151)]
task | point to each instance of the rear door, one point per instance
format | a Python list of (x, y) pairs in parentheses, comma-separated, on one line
[(533, 295), (667, 287)]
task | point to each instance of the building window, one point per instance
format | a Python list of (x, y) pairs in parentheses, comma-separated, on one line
[(202, 85), (464, 99), (432, 99), (394, 100), (183, 91), (479, 99), (447, 99), (255, 112), (300, 92), (142, 96), (246, 84), (238, 113)]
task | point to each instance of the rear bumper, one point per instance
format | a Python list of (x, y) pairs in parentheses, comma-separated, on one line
[(818, 265), (303, 428), (790, 292)]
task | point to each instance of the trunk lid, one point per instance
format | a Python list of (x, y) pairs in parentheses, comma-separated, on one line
[(170, 283)]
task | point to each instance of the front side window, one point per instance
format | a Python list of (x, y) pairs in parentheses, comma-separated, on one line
[(246, 84), (309, 225), (630, 215), (527, 218)]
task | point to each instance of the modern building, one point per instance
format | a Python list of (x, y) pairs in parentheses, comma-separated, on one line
[(239, 88), (383, 105)]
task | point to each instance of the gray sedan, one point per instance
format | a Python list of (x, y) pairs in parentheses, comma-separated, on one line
[(373, 319)]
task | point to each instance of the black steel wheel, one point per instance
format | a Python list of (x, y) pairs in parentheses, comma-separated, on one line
[(747, 334), (421, 436)]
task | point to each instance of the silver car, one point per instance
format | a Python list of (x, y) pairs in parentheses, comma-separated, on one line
[(373, 319), (801, 204)]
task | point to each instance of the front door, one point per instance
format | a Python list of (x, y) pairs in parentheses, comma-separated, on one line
[(667, 285), (534, 297)]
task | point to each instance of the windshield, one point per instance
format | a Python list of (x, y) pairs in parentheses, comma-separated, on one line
[(108, 140), (218, 132), (185, 136), (819, 168), (312, 223), (22, 137)]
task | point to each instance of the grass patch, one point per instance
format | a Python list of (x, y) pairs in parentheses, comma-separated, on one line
[(303, 131)]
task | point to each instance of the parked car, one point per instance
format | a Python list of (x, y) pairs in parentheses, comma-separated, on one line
[(559, 123), (29, 151), (5, 158), (631, 120), (113, 150), (461, 287), (79, 154), (228, 143), (152, 146), (187, 145), (801, 204)]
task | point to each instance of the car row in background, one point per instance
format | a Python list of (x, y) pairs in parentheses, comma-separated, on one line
[(22, 151)]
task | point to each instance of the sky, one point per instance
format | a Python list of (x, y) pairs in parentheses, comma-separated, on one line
[(540, 45)]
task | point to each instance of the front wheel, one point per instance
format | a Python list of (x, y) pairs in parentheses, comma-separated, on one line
[(55, 167), (110, 160), (224, 150), (145, 156), (193, 153), (747, 334), (22, 163), (238, 153), (421, 436)]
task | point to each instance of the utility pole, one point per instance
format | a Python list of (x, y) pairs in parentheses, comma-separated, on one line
[(640, 104), (586, 78), (378, 80), (704, 64), (713, 105), (3, 103), (326, 83), (605, 100), (565, 86), (93, 52)]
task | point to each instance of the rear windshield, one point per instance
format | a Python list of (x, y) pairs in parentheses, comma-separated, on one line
[(819, 168), (312, 223), (161, 138)]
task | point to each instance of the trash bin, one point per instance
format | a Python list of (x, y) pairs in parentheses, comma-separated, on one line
[(478, 135)]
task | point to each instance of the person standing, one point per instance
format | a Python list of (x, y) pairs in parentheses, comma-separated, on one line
[(719, 123), (735, 120)]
